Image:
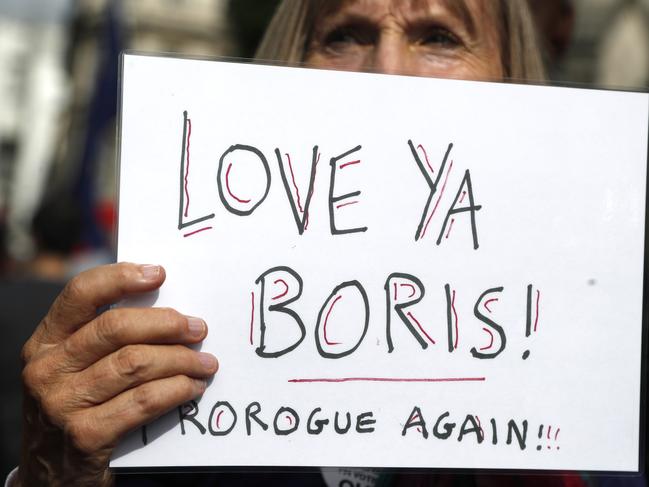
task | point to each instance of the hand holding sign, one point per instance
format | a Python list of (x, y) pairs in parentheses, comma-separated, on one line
[(90, 377)]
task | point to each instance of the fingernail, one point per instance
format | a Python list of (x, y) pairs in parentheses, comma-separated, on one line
[(150, 272), (201, 385), (196, 326), (207, 360)]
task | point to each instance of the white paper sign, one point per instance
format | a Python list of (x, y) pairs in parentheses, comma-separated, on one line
[(395, 271)]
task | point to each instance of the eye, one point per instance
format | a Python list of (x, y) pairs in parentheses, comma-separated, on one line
[(347, 36), (438, 37)]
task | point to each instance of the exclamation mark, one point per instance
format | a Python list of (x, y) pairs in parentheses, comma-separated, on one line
[(538, 447), (532, 315)]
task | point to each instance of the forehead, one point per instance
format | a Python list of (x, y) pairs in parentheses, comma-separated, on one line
[(470, 12)]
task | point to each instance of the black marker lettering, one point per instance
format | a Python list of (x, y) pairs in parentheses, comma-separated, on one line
[(181, 210), (472, 208), (415, 420), (521, 438), (485, 319), (494, 431), (333, 200), (253, 409), (339, 430), (188, 412), (323, 316), (216, 407), (448, 428), (288, 413), (280, 307), (449, 319), (391, 302), (363, 422), (300, 221), (319, 423), (475, 428), (528, 321), (431, 184), (231, 199)]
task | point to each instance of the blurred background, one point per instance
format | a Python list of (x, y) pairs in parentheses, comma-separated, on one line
[(58, 98)]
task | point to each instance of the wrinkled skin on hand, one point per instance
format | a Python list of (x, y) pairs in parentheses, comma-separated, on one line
[(89, 378)]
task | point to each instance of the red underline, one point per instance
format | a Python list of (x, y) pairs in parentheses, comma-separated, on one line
[(197, 231), (390, 379)]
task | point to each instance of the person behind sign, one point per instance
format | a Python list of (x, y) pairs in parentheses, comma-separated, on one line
[(90, 377), (463, 39)]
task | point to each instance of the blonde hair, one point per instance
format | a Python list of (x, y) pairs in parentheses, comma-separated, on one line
[(287, 37)]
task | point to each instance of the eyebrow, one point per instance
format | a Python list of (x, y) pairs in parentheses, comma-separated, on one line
[(457, 8), (460, 9)]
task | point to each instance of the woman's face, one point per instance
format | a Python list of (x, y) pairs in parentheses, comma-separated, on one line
[(441, 38)]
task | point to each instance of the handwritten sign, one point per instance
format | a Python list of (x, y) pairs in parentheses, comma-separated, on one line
[(395, 271)]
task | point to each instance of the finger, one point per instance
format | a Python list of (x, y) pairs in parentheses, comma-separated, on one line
[(102, 426), (134, 365), (84, 294), (119, 327)]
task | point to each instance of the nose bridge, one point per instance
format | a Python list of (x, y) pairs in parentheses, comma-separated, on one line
[(390, 52)]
